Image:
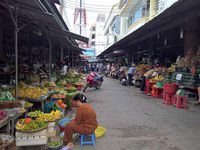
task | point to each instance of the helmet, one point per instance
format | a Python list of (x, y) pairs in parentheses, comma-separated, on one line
[(93, 74)]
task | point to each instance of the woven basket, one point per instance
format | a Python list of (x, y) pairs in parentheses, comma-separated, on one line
[(10, 104), (3, 121)]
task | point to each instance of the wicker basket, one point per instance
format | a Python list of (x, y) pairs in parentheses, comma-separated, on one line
[(10, 104), (3, 122)]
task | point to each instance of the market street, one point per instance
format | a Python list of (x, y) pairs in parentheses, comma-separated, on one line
[(135, 121)]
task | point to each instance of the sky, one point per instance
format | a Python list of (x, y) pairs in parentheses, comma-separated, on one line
[(93, 8)]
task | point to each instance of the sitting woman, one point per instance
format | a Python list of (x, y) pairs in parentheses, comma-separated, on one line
[(85, 122)]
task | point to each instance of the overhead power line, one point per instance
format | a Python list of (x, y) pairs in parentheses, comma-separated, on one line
[(92, 9), (101, 6), (106, 11), (87, 4)]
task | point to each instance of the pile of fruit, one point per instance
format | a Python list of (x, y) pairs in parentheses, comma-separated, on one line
[(3, 115), (32, 92), (29, 125), (172, 68), (34, 114), (53, 116), (71, 88), (61, 104), (141, 67), (61, 82), (28, 105), (48, 84), (22, 110), (157, 79), (57, 96), (55, 144)]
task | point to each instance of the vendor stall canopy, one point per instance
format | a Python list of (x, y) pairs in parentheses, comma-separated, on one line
[(44, 14)]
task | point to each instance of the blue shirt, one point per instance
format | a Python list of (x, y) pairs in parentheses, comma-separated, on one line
[(131, 70)]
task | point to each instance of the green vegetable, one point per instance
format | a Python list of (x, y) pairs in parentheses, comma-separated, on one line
[(56, 143), (35, 113)]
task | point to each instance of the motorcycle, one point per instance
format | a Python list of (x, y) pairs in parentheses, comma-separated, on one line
[(93, 81), (123, 80), (122, 76)]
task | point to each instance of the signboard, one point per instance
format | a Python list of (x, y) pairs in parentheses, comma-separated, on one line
[(178, 77), (89, 55)]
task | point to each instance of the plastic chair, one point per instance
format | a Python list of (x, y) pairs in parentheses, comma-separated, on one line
[(88, 139)]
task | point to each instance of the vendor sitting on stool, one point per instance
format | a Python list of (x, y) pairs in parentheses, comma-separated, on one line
[(85, 122)]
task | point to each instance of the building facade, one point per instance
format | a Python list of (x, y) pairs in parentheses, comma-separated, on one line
[(112, 28), (129, 15), (99, 36)]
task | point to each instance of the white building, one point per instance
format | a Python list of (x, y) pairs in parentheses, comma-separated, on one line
[(63, 12), (112, 27), (129, 15), (100, 40)]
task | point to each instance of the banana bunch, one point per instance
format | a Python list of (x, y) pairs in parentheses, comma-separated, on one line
[(172, 68), (32, 92), (53, 116), (157, 78)]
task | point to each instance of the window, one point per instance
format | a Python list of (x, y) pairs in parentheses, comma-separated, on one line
[(93, 28), (93, 36)]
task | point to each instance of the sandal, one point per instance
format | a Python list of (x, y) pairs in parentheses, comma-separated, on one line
[(67, 148), (197, 103)]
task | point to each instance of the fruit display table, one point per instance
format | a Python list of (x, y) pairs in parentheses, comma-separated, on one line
[(40, 100), (11, 123)]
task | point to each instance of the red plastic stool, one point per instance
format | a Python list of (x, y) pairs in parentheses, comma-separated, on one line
[(148, 87), (168, 99), (157, 92), (174, 100), (180, 101)]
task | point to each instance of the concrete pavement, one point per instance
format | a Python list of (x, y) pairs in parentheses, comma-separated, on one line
[(135, 121)]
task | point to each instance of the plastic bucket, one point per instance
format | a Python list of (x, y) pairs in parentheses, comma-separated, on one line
[(100, 131), (159, 84), (170, 89)]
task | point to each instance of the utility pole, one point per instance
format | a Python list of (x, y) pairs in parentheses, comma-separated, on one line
[(80, 15)]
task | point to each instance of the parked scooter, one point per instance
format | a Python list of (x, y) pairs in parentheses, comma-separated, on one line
[(122, 76), (123, 79), (93, 80)]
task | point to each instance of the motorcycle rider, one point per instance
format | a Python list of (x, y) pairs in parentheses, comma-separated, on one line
[(93, 80)]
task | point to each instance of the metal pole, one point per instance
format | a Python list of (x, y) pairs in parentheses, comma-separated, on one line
[(80, 15), (61, 53), (68, 56), (16, 55), (50, 57), (72, 58)]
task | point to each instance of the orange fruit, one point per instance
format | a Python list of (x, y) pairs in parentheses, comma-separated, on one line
[(60, 102), (28, 120), (62, 106)]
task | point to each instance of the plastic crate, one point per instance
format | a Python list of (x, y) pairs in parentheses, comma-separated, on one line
[(31, 139)]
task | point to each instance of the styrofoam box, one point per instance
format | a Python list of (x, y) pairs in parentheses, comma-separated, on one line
[(35, 138), (31, 141), (23, 134)]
